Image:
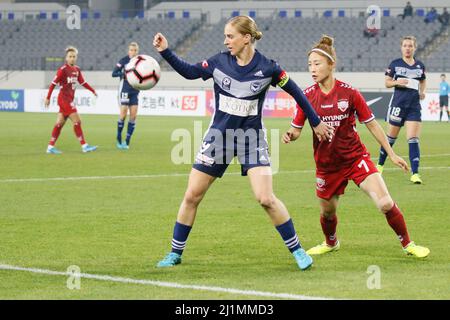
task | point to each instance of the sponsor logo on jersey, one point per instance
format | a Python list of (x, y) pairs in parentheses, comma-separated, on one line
[(259, 74), (205, 64), (326, 106), (238, 107), (283, 78), (342, 105), (226, 83)]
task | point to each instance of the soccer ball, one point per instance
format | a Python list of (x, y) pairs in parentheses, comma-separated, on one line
[(142, 72)]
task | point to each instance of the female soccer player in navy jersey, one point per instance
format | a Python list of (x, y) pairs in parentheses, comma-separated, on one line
[(345, 157), (242, 76), (407, 76), (66, 77), (128, 98)]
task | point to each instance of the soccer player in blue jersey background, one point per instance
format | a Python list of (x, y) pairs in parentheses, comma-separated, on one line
[(128, 98), (242, 77), (444, 91), (407, 76)]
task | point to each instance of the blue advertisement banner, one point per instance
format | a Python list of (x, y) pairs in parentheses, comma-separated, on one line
[(12, 100)]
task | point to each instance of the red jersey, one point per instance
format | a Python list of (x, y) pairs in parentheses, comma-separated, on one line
[(67, 76), (338, 109)]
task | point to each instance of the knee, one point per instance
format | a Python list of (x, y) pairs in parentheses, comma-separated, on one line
[(385, 204), (60, 123), (328, 213), (77, 123), (192, 198), (266, 201)]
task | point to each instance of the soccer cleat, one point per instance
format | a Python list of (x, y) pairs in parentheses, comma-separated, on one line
[(118, 145), (380, 168), (323, 248), (304, 261), (170, 260), (414, 250), (53, 150), (88, 148), (415, 178), (125, 146)]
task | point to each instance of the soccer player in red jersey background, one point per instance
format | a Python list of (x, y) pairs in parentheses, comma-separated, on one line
[(344, 157), (66, 77)]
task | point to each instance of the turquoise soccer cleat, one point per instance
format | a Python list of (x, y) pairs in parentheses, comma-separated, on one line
[(125, 146), (53, 150), (88, 148), (304, 261), (118, 145), (170, 260)]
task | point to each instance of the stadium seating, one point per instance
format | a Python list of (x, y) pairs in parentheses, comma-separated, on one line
[(39, 44), (28, 45)]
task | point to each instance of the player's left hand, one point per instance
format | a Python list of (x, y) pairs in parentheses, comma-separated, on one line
[(399, 162), (324, 131), (421, 96)]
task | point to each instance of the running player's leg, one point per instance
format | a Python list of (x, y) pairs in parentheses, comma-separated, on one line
[(328, 222), (413, 129), (121, 124), (60, 121), (131, 122), (261, 183), (374, 186), (76, 120), (198, 184)]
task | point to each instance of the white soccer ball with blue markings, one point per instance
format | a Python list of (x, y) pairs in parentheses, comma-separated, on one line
[(143, 72)]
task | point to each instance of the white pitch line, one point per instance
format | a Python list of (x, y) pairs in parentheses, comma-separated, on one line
[(167, 175), (164, 284)]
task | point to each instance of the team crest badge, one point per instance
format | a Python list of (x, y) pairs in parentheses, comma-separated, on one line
[(342, 105)]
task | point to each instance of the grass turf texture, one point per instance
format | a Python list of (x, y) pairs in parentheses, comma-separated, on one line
[(123, 227)]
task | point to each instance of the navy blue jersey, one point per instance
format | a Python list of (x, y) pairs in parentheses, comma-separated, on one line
[(240, 90), (119, 71), (406, 97)]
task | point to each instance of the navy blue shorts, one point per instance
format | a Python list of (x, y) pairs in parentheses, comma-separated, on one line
[(398, 115), (128, 98), (214, 158)]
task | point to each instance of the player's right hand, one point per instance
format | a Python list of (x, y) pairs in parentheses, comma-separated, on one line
[(46, 103), (324, 131), (291, 135), (160, 42)]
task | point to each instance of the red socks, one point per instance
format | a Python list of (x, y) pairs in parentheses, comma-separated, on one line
[(55, 134), (329, 229), (395, 219), (79, 132)]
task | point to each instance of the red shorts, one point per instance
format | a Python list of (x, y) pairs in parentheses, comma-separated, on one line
[(334, 183), (66, 108)]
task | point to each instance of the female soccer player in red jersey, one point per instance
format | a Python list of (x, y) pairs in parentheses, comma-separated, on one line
[(345, 157), (66, 77)]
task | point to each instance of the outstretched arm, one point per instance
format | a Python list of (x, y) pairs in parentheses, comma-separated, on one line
[(378, 133), (185, 69)]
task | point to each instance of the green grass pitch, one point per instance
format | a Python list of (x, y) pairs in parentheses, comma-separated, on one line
[(122, 226)]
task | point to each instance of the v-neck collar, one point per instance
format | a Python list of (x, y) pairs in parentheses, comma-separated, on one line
[(247, 67)]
